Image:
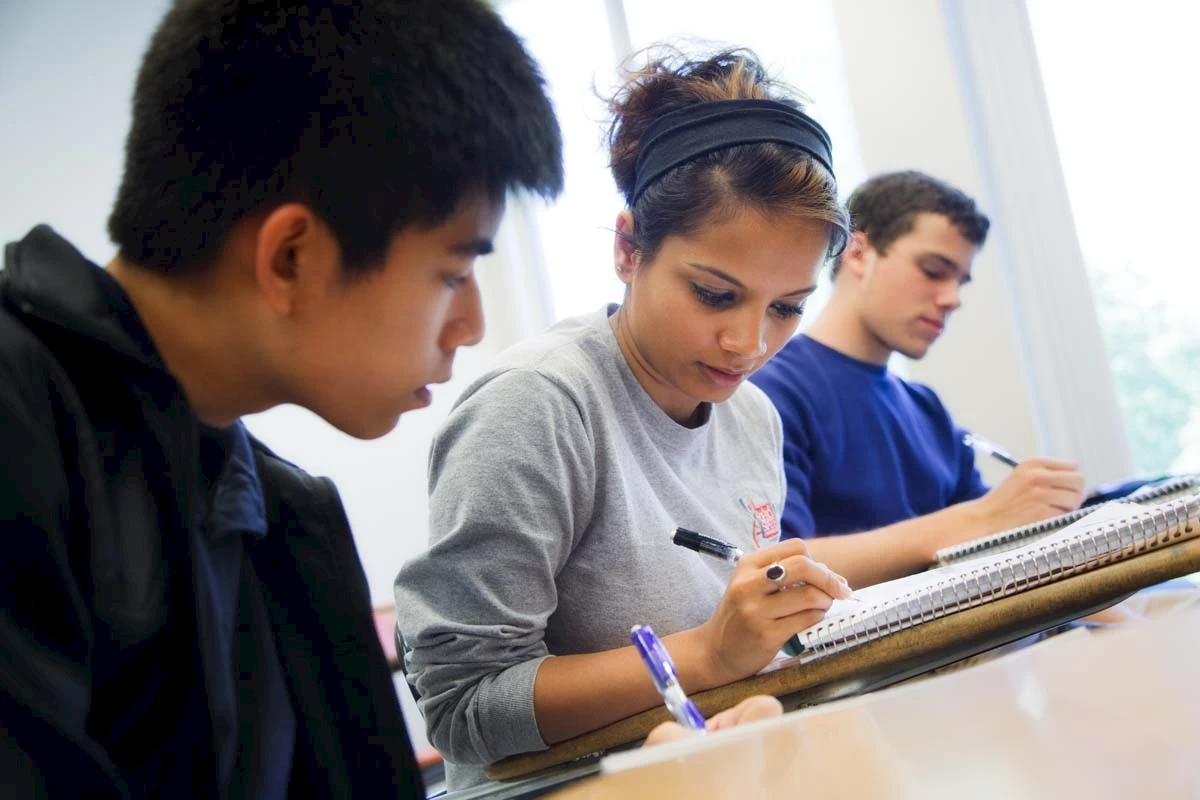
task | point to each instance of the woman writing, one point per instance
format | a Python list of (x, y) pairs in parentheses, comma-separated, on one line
[(558, 478)]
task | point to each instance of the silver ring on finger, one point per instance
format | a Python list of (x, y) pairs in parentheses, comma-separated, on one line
[(776, 573)]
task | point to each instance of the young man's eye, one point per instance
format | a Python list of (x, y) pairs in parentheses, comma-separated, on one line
[(711, 298), (456, 281), (787, 310)]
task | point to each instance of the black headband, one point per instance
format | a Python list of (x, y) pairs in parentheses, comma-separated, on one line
[(687, 134)]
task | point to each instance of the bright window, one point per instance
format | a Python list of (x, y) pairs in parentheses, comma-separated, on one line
[(1126, 139)]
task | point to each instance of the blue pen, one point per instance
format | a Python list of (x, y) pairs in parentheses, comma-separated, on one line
[(666, 679)]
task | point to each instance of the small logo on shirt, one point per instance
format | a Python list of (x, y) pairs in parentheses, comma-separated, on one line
[(765, 530)]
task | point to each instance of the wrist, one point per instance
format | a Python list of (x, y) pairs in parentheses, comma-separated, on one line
[(696, 659), (964, 521)]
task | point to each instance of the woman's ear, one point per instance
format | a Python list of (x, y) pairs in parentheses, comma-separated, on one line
[(625, 249)]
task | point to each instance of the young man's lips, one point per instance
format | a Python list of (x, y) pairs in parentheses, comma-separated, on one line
[(933, 324), (424, 396)]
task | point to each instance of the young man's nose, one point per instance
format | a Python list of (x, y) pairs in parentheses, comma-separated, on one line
[(466, 325), (948, 295)]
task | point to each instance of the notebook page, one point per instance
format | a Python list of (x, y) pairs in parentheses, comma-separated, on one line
[(883, 594)]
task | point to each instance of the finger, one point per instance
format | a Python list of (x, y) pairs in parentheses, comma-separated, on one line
[(1071, 481), (786, 627), (666, 732), (758, 559), (752, 709), (1051, 464), (1064, 501), (796, 600), (803, 570)]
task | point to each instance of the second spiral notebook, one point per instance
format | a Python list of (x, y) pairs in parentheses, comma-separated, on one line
[(1114, 532)]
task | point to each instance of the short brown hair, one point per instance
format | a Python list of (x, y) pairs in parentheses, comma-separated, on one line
[(885, 207)]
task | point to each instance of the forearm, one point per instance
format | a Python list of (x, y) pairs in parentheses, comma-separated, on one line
[(580, 693), (899, 549)]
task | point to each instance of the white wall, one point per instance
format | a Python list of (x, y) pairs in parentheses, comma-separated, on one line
[(67, 70)]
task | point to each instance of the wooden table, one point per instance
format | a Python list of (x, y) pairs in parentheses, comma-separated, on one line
[(1109, 714)]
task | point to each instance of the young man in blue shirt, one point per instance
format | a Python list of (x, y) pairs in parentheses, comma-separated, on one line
[(878, 475)]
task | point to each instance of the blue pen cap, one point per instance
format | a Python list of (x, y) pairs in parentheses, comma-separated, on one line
[(666, 679), (657, 659)]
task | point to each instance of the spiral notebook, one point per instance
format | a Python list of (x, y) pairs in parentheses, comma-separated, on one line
[(1113, 532), (1016, 537)]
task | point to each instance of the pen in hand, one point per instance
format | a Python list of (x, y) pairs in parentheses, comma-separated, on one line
[(716, 548), (666, 679), (992, 449)]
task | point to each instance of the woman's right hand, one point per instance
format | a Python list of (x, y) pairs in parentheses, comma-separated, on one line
[(757, 614)]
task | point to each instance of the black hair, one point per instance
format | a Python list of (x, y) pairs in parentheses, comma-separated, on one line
[(378, 114)]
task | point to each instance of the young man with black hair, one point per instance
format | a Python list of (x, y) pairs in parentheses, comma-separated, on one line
[(306, 188), (878, 475)]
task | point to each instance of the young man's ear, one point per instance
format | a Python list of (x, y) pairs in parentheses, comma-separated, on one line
[(625, 251), (857, 255), (293, 253)]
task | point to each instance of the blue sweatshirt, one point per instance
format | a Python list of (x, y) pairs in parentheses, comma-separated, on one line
[(862, 448)]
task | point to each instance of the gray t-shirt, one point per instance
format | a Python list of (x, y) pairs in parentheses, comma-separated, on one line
[(555, 486)]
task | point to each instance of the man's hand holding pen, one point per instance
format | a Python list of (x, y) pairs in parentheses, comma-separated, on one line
[(1037, 488)]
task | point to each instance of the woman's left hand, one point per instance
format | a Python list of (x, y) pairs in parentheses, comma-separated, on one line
[(751, 709)]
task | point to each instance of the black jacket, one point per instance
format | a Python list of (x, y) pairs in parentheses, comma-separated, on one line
[(99, 475)]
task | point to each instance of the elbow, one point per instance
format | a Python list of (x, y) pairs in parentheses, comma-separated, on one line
[(452, 730)]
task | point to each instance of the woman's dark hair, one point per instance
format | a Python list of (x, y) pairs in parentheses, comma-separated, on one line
[(378, 114), (770, 178)]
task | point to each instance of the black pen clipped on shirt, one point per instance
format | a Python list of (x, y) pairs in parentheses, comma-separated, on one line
[(707, 545)]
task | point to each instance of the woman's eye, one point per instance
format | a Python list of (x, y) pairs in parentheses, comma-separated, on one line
[(787, 310), (711, 298)]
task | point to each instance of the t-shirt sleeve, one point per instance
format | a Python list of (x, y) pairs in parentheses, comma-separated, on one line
[(511, 486)]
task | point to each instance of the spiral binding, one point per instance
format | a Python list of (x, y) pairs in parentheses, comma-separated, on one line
[(1005, 575), (1004, 540)]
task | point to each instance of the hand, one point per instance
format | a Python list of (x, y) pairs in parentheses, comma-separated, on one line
[(757, 615), (1037, 488), (752, 709)]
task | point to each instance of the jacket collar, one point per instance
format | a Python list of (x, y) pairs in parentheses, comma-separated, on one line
[(45, 277)]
